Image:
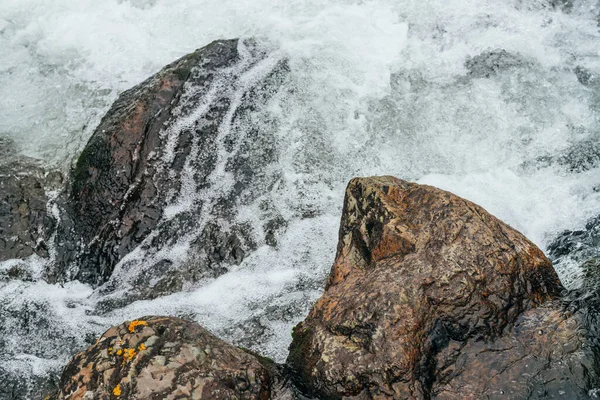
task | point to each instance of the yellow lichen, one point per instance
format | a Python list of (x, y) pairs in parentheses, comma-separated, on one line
[(129, 354), (142, 347), (119, 352), (135, 324), (117, 390)]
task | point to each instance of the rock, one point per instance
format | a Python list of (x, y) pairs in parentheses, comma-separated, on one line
[(563, 5), (580, 248), (168, 358), (579, 157), (25, 224), (24, 383), (492, 62), (430, 296), (8, 150), (168, 168), (583, 156), (586, 77)]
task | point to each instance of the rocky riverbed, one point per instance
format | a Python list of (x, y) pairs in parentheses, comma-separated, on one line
[(208, 197), (429, 297)]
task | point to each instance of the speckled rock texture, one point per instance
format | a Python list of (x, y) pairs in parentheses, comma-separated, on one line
[(167, 358), (431, 297)]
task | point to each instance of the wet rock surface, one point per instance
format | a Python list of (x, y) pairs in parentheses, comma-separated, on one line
[(25, 386), (141, 182), (168, 358), (580, 248), (25, 224), (430, 296)]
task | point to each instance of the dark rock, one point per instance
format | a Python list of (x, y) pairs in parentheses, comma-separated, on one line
[(8, 150), (25, 224), (25, 385), (582, 249), (564, 5), (430, 296), (143, 181), (585, 77), (492, 62), (579, 157), (169, 358)]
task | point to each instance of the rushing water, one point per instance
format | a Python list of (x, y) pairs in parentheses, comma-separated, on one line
[(497, 101)]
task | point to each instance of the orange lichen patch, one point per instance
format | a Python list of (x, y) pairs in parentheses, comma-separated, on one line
[(135, 324), (142, 347), (117, 390), (129, 354)]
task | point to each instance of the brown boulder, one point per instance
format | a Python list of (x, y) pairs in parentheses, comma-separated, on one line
[(166, 358), (430, 296)]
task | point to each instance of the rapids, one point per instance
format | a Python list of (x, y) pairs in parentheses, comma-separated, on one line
[(497, 101)]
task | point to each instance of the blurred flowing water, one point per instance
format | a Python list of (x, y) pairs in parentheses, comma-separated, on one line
[(497, 101)]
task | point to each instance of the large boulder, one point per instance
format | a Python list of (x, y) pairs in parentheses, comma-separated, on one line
[(168, 168), (430, 296), (167, 358)]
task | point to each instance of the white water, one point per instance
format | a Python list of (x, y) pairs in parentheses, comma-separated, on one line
[(380, 87)]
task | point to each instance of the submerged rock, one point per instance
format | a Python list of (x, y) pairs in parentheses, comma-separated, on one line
[(492, 62), (586, 77), (430, 296), (168, 358), (580, 157), (165, 173), (581, 248)]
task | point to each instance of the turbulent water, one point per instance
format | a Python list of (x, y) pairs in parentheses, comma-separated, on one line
[(497, 101)]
